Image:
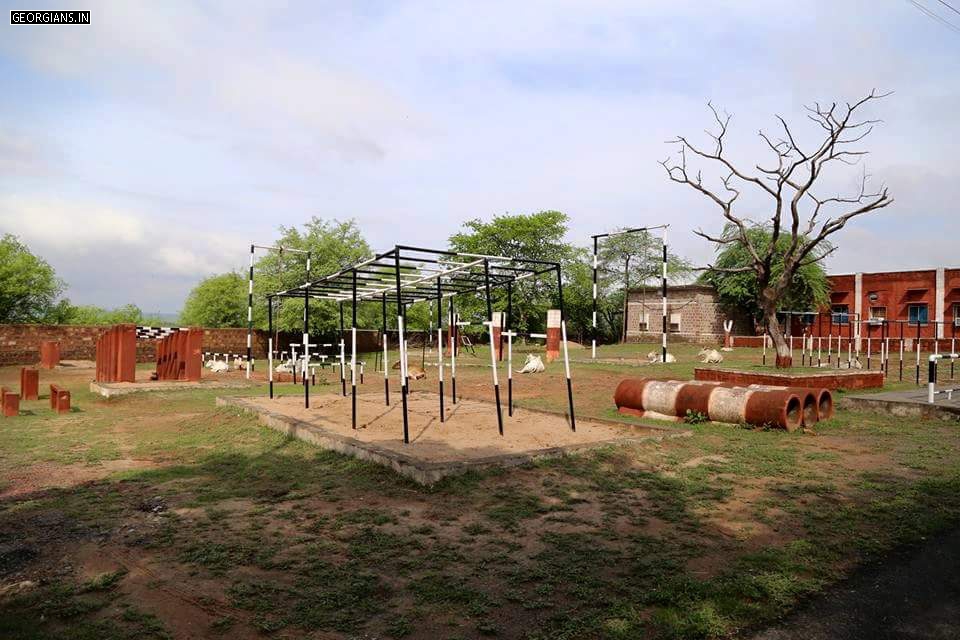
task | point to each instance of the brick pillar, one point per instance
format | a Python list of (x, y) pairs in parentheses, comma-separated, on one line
[(939, 300), (29, 383), (857, 308), (49, 354), (192, 354), (553, 334), (126, 354), (497, 331)]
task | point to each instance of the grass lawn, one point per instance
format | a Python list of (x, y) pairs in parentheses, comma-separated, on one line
[(158, 515)]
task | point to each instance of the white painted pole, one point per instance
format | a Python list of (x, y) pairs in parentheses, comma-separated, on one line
[(353, 356), (453, 363)]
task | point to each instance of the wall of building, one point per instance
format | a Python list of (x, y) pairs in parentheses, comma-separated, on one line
[(889, 296), (693, 312)]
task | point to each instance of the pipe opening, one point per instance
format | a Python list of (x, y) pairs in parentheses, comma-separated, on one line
[(825, 406), (793, 413), (809, 409)]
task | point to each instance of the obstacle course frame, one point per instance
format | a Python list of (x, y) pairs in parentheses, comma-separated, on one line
[(407, 275)]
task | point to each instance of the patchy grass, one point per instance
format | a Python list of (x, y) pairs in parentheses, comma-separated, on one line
[(249, 532)]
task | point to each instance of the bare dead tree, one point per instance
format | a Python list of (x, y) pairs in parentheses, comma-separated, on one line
[(796, 211)]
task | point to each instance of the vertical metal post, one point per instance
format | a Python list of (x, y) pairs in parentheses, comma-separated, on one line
[(386, 369), (343, 356), (270, 342), (306, 347), (593, 337), (509, 331), (900, 322), (664, 329), (918, 349), (453, 331), (403, 348), (440, 342), (250, 315), (563, 337), (353, 354), (493, 355)]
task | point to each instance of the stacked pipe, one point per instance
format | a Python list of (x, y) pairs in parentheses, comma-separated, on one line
[(784, 407), (179, 355)]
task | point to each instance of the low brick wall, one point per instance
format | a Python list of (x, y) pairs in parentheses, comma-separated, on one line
[(833, 380), (20, 343)]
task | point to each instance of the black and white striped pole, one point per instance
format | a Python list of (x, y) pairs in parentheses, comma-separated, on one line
[(440, 343), (509, 335), (343, 357), (932, 392), (664, 293), (353, 355), (493, 352), (403, 345), (250, 314), (593, 337), (386, 369), (270, 342), (453, 331), (306, 348), (566, 354)]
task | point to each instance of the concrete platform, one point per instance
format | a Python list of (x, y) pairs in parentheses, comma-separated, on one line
[(467, 440), (907, 404), (114, 389)]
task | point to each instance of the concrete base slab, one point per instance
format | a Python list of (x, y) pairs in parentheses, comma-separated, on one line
[(906, 404), (467, 440), (113, 389)]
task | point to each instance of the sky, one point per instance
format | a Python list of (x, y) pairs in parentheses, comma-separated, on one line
[(147, 150)]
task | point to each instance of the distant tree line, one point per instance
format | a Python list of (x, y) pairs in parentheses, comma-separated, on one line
[(31, 292)]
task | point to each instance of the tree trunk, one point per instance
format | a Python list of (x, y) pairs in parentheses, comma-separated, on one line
[(772, 328), (626, 297)]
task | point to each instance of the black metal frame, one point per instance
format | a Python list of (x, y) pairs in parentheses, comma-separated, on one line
[(406, 275)]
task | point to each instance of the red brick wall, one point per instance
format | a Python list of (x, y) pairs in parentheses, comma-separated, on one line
[(20, 343)]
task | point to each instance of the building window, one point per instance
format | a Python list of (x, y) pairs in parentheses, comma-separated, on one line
[(917, 313), (956, 314), (674, 326), (878, 314), (642, 321), (840, 314)]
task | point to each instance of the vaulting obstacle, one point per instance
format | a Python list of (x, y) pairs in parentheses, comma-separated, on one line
[(179, 356), (784, 407), (117, 354), (407, 275)]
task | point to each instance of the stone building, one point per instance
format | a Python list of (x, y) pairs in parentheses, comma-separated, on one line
[(693, 313)]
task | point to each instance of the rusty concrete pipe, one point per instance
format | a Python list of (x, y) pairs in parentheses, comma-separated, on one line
[(775, 408), (817, 401), (719, 402), (648, 396)]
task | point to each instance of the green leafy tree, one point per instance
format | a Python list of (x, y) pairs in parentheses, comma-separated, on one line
[(218, 301), (334, 245), (89, 314), (624, 261), (29, 286), (536, 236), (808, 289)]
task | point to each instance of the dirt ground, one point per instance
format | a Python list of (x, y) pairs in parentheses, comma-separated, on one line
[(469, 430), (162, 516)]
